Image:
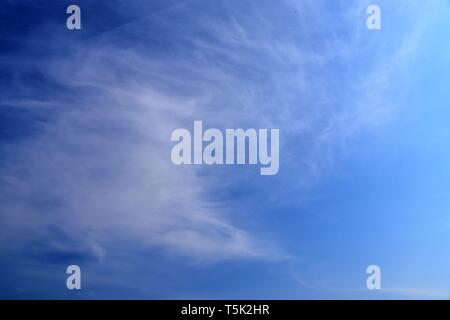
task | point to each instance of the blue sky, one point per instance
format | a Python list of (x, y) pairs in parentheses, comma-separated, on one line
[(86, 176)]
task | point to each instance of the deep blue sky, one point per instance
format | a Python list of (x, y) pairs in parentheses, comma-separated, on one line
[(85, 170)]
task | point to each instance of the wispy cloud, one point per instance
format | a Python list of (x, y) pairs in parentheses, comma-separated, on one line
[(97, 169), (100, 161)]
